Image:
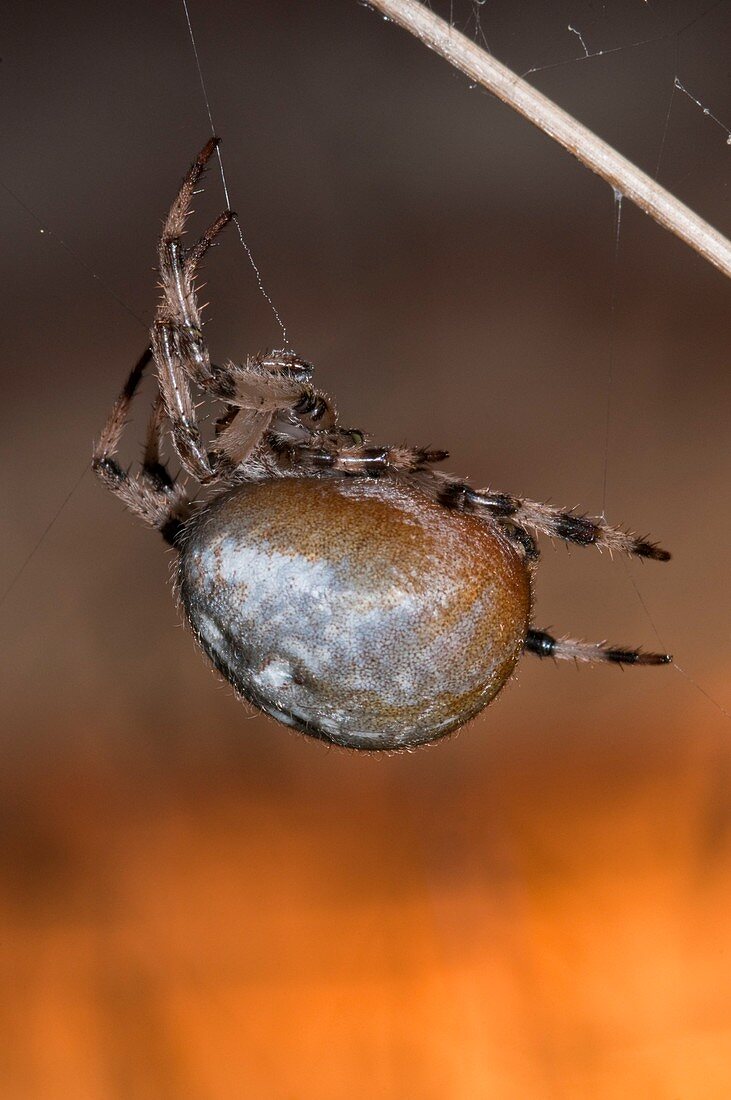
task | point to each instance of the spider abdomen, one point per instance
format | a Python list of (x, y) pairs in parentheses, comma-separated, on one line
[(356, 610)]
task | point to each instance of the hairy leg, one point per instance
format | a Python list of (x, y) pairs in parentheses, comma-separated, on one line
[(347, 451), (258, 392), (351, 457), (542, 644), (180, 352), (151, 494), (542, 518)]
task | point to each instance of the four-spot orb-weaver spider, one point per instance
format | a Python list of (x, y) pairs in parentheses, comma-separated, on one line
[(347, 589)]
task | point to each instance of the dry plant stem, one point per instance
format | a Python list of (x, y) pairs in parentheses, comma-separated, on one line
[(623, 176)]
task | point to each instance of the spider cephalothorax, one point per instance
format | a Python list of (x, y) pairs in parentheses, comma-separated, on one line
[(346, 589)]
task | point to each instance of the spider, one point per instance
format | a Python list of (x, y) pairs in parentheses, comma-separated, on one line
[(346, 589)]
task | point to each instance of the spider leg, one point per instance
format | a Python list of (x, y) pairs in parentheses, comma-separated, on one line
[(177, 267), (284, 380), (526, 543), (543, 644), (153, 467), (194, 255), (177, 339), (178, 309), (541, 518), (238, 433), (267, 388), (151, 494), (350, 457), (345, 451), (276, 382), (175, 390), (261, 389)]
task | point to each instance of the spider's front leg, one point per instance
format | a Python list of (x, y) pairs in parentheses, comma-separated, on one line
[(181, 355)]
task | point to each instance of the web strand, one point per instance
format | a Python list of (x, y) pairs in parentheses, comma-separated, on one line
[(99, 282), (260, 282), (663, 647), (43, 535), (44, 229), (677, 85)]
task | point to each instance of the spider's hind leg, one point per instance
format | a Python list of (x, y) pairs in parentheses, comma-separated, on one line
[(542, 644), (559, 523), (543, 519)]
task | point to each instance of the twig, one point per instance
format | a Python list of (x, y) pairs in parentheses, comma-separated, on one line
[(623, 176)]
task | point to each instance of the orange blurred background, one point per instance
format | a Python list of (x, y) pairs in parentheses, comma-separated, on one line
[(196, 903)]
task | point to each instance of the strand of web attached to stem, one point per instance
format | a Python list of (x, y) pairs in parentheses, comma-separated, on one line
[(588, 148), (244, 244)]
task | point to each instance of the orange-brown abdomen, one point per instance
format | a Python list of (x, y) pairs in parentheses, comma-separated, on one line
[(355, 610)]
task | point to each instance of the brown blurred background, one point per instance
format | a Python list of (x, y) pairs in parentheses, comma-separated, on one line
[(198, 905)]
